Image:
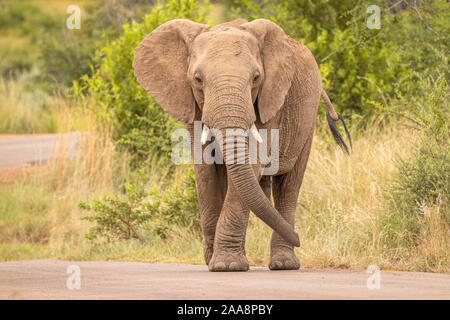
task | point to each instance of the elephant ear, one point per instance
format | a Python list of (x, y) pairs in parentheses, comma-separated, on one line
[(160, 66), (279, 66)]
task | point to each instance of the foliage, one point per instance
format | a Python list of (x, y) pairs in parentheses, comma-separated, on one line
[(68, 54), (140, 125), (118, 218), (22, 23), (179, 205), (422, 36), (65, 56), (109, 16), (357, 64), (423, 180), (37, 36), (138, 211), (26, 17)]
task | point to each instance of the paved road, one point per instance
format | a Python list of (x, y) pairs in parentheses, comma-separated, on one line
[(47, 279), (18, 151)]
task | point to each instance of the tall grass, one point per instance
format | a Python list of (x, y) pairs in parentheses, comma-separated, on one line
[(24, 109), (43, 207), (40, 215), (341, 216)]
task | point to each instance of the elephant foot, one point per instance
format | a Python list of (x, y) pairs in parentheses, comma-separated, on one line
[(208, 253), (225, 261), (284, 259)]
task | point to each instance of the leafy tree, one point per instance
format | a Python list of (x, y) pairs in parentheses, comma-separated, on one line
[(358, 64)]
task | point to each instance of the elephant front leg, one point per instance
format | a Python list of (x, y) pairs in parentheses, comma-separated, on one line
[(211, 188), (286, 189), (229, 242)]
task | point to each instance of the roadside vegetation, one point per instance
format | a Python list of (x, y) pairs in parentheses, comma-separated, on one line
[(121, 198)]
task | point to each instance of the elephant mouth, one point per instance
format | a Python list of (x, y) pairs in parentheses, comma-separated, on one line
[(253, 131)]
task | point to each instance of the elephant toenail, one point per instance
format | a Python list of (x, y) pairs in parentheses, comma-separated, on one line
[(234, 266), (220, 266), (276, 265)]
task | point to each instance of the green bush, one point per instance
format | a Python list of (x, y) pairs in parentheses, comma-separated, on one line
[(66, 55), (140, 126), (178, 205), (118, 218), (32, 35), (423, 41), (422, 181), (22, 25), (25, 18), (358, 65), (139, 211)]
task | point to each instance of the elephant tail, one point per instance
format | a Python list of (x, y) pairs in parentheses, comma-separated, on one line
[(332, 118)]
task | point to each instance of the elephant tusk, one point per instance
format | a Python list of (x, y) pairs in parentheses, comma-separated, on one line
[(256, 134), (205, 134)]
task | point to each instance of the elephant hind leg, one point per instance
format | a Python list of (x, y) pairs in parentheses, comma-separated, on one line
[(286, 189)]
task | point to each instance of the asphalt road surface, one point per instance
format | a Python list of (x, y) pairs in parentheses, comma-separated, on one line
[(54, 279), (18, 151)]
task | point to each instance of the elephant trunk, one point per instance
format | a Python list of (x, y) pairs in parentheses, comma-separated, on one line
[(229, 107), (243, 179)]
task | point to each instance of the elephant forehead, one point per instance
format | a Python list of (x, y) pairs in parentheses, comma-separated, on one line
[(225, 40)]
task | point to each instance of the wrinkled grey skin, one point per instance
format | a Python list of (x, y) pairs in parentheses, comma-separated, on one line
[(232, 76)]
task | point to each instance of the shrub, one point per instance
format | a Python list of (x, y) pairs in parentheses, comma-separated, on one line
[(66, 55), (358, 65), (118, 218), (26, 17), (23, 23), (423, 180), (139, 124), (422, 40), (139, 211), (179, 205)]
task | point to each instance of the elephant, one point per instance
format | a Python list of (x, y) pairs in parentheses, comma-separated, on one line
[(240, 75)]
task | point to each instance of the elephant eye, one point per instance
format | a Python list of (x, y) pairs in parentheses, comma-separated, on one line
[(197, 79), (256, 77)]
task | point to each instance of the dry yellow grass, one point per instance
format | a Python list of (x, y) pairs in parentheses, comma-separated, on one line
[(341, 206), (338, 218), (24, 111)]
